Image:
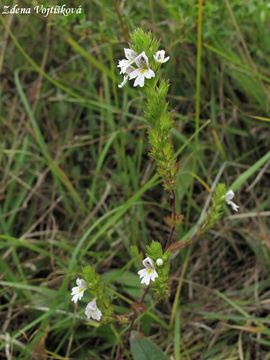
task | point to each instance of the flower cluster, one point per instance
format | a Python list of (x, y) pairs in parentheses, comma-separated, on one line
[(142, 62), (142, 70), (91, 310)]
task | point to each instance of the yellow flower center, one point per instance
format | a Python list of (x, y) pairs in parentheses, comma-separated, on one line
[(149, 271)]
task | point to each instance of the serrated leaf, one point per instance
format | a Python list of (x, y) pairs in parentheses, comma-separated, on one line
[(144, 349), (89, 274), (154, 250)]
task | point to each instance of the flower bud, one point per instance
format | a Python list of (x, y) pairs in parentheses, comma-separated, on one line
[(159, 262)]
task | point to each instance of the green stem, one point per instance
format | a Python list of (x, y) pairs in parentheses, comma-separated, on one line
[(198, 101), (173, 204), (198, 70)]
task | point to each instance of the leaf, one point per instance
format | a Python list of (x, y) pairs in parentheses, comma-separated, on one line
[(154, 250), (123, 277), (52, 164), (250, 171), (144, 349), (39, 351), (89, 274)]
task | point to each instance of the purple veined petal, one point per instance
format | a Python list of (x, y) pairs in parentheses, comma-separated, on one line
[(130, 69), (134, 74), (130, 54), (142, 60), (229, 195), (160, 57), (148, 262)]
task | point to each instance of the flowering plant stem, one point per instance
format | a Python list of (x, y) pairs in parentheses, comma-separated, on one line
[(173, 206), (141, 300), (131, 326), (142, 64)]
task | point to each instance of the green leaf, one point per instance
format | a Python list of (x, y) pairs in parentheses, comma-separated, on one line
[(242, 179), (88, 273), (154, 250), (144, 41), (144, 349)]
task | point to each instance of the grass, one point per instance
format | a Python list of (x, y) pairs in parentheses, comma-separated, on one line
[(77, 185)]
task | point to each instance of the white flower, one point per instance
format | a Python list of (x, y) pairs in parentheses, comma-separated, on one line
[(140, 75), (148, 273), (129, 70), (124, 64), (143, 71), (160, 57), (92, 311), (78, 291), (159, 262), (142, 60), (228, 197), (130, 54)]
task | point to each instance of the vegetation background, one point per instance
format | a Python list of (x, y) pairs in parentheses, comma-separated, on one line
[(77, 185)]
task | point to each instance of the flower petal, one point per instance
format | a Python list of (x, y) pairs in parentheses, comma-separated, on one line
[(149, 73), (139, 81), (130, 54), (166, 59), (123, 82), (154, 275), (233, 205), (134, 74), (142, 272), (146, 279), (97, 314), (148, 262), (92, 311), (75, 298), (229, 195), (124, 65), (142, 60)]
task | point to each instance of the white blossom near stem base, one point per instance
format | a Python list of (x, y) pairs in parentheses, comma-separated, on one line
[(92, 311), (78, 291), (160, 57), (149, 273), (129, 70), (125, 63), (228, 197)]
